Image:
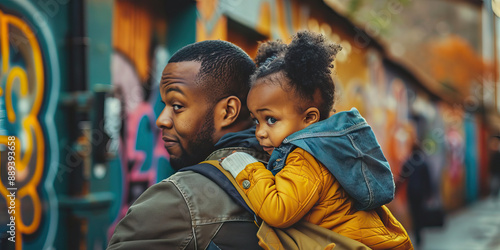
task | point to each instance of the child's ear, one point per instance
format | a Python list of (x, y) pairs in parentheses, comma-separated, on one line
[(311, 115)]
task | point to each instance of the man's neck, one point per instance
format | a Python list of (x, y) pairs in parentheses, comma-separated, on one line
[(236, 127)]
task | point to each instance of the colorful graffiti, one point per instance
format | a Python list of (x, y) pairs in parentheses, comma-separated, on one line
[(30, 77), (136, 70), (453, 170), (23, 87), (24, 126), (144, 161)]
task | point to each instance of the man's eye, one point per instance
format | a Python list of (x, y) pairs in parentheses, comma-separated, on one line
[(255, 121), (271, 120), (176, 107)]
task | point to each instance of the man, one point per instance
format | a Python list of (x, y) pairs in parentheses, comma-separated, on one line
[(494, 146), (204, 88), (419, 190)]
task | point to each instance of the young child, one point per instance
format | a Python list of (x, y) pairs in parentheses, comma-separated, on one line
[(329, 171)]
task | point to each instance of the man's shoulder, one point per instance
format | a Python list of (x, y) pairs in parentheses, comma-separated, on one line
[(192, 184), (186, 178), (182, 183), (205, 197)]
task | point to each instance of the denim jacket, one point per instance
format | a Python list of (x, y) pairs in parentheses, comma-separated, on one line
[(347, 146)]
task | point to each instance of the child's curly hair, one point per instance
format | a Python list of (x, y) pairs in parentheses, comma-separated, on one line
[(306, 64)]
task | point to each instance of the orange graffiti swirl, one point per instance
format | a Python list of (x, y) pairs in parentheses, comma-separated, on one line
[(31, 88)]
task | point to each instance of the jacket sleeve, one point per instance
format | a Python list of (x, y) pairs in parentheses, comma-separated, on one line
[(284, 199), (159, 219)]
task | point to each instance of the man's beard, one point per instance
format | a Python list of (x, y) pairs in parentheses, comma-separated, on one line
[(200, 148)]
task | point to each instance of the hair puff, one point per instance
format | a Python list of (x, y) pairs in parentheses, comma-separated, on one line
[(309, 58), (268, 50)]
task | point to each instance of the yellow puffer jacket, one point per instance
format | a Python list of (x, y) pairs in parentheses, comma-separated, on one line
[(305, 189)]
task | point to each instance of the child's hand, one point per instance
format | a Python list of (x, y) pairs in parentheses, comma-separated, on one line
[(235, 163)]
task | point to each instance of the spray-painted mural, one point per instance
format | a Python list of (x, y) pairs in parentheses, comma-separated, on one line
[(142, 39), (28, 141), (136, 69), (21, 125)]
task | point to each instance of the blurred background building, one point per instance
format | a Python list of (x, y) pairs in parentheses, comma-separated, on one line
[(79, 91)]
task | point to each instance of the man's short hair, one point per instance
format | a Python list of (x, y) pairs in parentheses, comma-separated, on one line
[(225, 68)]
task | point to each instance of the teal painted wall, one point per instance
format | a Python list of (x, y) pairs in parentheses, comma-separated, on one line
[(471, 160)]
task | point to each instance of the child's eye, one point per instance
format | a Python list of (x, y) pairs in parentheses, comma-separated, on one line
[(255, 121), (176, 107), (271, 120)]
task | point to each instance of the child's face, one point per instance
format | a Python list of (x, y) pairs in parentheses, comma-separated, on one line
[(275, 114)]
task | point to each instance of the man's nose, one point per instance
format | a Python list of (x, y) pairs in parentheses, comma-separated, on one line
[(164, 120)]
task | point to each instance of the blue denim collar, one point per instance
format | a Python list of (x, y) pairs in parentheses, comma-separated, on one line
[(245, 138), (347, 146)]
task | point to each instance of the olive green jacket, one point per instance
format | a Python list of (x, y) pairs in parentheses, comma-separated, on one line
[(187, 211)]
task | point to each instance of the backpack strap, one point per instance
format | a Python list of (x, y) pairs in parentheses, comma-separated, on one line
[(214, 171)]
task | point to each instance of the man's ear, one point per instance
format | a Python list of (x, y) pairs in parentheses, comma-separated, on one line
[(311, 116), (227, 111)]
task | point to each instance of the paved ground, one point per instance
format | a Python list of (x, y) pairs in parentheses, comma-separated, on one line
[(476, 227)]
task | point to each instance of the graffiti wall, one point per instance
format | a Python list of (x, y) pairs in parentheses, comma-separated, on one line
[(28, 142), (34, 85), (139, 34), (37, 154)]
